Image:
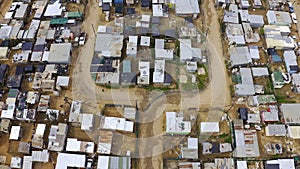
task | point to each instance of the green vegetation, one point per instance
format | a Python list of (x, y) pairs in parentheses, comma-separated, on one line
[(269, 89), (222, 26), (261, 31), (177, 52), (284, 99), (189, 86), (225, 135), (231, 88), (228, 139), (202, 80), (151, 87)]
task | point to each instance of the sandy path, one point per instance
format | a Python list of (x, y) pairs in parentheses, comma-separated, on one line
[(4, 7), (216, 94)]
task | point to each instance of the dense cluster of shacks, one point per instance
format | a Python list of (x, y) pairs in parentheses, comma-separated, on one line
[(36, 49), (144, 56), (255, 32), (44, 53), (37, 38)]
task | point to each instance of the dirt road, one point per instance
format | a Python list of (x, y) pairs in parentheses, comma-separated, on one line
[(297, 11), (4, 7), (150, 143)]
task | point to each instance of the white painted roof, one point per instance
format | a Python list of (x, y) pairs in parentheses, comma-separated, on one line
[(15, 132), (65, 160), (207, 127)]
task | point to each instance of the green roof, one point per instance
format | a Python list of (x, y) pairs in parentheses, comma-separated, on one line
[(13, 93), (58, 21), (278, 76), (74, 14)]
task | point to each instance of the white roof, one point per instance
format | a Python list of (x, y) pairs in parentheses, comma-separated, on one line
[(240, 55), (75, 107), (283, 163), (244, 14), (278, 18), (187, 7), (40, 156), (209, 127), (133, 39), (9, 113), (159, 43), (60, 53), (294, 132), (115, 123), (27, 162), (5, 32), (20, 12), (113, 162), (256, 19), (145, 18), (145, 41), (275, 130), (103, 162), (53, 9), (159, 71), (260, 71), (101, 29), (254, 52), (8, 15), (65, 160), (157, 10), (15, 132), (62, 80), (144, 68), (73, 145), (246, 76), (3, 52), (290, 59), (109, 45), (164, 54), (36, 56), (87, 121), (175, 123), (16, 162), (185, 49), (129, 113), (40, 129), (241, 164), (192, 143), (291, 113)]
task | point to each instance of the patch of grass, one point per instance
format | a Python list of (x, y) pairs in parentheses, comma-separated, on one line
[(225, 135), (269, 89), (151, 87), (231, 89), (284, 99), (261, 31), (189, 86), (202, 80), (228, 139)]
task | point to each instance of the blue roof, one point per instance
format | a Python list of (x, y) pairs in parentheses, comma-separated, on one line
[(119, 9), (119, 2), (276, 58), (145, 3), (105, 7), (127, 66), (130, 11)]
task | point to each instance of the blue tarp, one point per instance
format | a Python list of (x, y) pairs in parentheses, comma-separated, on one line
[(119, 1)]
